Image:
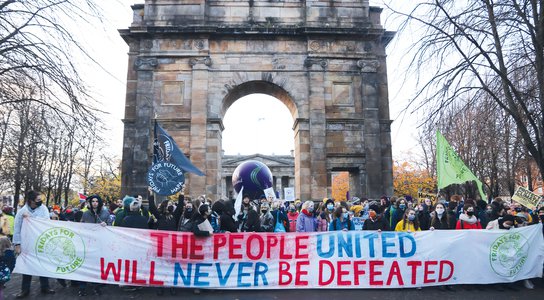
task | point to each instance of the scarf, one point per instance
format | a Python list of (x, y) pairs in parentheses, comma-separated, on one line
[(306, 212), (466, 218)]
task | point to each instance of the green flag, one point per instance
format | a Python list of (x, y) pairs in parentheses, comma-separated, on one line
[(450, 168)]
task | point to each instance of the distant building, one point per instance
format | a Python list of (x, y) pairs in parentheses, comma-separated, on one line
[(281, 166)]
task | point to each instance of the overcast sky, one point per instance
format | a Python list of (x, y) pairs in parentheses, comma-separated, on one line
[(262, 126)]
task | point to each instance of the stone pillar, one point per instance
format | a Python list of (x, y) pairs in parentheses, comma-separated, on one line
[(372, 138), (316, 74), (214, 158), (137, 151), (302, 159), (278, 187), (199, 112)]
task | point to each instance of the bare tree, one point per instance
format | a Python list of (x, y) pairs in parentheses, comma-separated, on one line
[(483, 46)]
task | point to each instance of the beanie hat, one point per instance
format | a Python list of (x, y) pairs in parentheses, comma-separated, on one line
[(203, 209), (329, 201)]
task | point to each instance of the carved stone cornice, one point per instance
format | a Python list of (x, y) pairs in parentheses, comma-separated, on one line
[(207, 61), (146, 63), (309, 62), (368, 66)]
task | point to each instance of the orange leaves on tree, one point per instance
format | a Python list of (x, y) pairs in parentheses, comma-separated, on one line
[(408, 180), (340, 185)]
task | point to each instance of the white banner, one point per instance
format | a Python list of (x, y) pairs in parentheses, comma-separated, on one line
[(339, 259)]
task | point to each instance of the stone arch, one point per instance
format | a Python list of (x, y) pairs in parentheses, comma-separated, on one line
[(261, 87)]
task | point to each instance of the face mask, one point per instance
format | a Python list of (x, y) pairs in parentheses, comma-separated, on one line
[(411, 217), (366, 206), (489, 211), (518, 209), (310, 209), (38, 203), (330, 206), (402, 206), (470, 213), (170, 208), (189, 210), (439, 211), (345, 215), (292, 210), (263, 211)]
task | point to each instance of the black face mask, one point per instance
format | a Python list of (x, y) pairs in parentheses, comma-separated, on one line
[(170, 208), (470, 213), (38, 203)]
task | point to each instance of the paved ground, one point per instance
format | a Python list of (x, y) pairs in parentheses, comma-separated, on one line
[(484, 292)]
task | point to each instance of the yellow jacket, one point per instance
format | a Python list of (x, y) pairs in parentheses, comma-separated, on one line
[(409, 226)]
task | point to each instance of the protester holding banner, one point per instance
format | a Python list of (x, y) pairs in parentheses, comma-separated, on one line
[(306, 221), (226, 220), (423, 215), (200, 223), (409, 222), (440, 219), (188, 212), (468, 220), (278, 212), (32, 209), (292, 216), (341, 220), (396, 211), (266, 220), (375, 220), (95, 214)]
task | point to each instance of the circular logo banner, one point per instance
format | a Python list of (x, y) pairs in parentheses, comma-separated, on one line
[(508, 254), (60, 250), (165, 178)]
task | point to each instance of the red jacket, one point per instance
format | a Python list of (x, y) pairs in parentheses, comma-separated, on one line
[(467, 225)]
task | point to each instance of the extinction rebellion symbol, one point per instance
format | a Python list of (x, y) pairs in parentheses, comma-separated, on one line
[(508, 254), (60, 250)]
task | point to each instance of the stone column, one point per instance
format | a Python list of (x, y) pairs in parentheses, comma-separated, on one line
[(302, 157), (316, 74), (372, 138), (278, 187), (199, 114), (137, 151)]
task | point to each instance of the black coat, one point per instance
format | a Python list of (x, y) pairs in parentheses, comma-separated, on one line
[(380, 224), (166, 221)]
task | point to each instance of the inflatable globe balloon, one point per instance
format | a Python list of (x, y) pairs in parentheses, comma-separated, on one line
[(254, 176)]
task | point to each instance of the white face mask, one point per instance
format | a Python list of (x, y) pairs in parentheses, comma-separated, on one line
[(439, 211)]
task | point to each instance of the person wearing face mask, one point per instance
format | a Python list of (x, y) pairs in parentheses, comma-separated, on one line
[(375, 219), (201, 224), (266, 219), (322, 218), (424, 216), (409, 222), (440, 219), (188, 212), (249, 217), (341, 220), (278, 212), (167, 214), (292, 216), (306, 221), (468, 220), (397, 212), (329, 210), (32, 209)]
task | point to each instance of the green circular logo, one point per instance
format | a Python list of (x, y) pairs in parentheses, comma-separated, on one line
[(60, 250), (508, 254)]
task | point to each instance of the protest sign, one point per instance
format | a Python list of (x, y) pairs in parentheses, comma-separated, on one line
[(336, 259), (289, 193), (358, 223), (526, 198)]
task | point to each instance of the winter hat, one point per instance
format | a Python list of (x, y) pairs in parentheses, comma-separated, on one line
[(375, 207), (203, 209)]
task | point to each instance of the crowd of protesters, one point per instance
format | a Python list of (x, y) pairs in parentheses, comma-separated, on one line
[(264, 215)]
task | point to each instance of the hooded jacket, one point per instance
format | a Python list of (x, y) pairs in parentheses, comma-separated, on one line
[(100, 215)]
